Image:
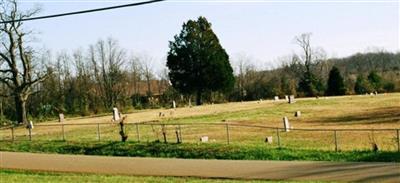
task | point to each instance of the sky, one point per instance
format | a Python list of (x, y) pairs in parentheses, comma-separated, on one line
[(261, 29)]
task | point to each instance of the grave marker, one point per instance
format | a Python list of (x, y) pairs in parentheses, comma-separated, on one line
[(268, 140), (276, 98), (291, 99), (61, 117), (116, 116), (204, 139), (286, 124), (297, 114)]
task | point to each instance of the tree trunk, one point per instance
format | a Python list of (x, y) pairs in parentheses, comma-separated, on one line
[(20, 106), (198, 97)]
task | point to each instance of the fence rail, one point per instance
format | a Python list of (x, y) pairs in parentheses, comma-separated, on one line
[(226, 132)]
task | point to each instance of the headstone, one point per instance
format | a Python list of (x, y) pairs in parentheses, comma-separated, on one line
[(276, 98), (61, 117), (371, 93), (297, 114), (204, 139), (268, 139), (30, 125), (291, 99), (286, 124), (174, 104), (116, 116), (376, 93), (190, 102), (286, 98)]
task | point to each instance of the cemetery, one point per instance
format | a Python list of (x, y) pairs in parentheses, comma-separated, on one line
[(307, 124)]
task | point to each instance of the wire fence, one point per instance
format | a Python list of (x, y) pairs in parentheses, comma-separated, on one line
[(227, 133)]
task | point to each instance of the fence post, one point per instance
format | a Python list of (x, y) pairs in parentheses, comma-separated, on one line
[(12, 133), (30, 134), (227, 133), (335, 136), (98, 131), (180, 133), (164, 133), (63, 132), (398, 140), (137, 132), (279, 138)]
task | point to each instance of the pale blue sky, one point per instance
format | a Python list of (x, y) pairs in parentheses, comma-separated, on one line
[(263, 30)]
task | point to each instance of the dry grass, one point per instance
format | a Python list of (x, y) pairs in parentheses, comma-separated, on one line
[(349, 112)]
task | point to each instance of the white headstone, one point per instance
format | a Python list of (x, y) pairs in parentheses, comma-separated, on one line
[(286, 124), (286, 98), (291, 99), (297, 114), (30, 125), (116, 116), (276, 98), (190, 102), (61, 117), (268, 140), (204, 139), (174, 104)]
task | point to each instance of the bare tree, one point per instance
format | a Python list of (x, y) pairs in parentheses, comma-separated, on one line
[(136, 73), (108, 60), (17, 72), (147, 63)]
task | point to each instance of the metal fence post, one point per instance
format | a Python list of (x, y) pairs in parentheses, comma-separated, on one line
[(227, 133), (63, 132), (12, 133), (398, 140), (180, 133), (335, 136), (98, 131), (279, 138), (30, 134), (137, 133)]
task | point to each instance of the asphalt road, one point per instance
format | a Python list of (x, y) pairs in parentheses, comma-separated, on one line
[(271, 170)]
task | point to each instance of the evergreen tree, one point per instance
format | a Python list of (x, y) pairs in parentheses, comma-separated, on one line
[(197, 62), (310, 85), (335, 83), (375, 81), (362, 86)]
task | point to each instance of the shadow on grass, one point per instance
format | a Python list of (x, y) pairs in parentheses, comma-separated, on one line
[(380, 115)]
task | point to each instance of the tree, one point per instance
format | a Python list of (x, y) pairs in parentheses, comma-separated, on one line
[(17, 72), (375, 80), (197, 62), (108, 60), (309, 83), (335, 83), (362, 86)]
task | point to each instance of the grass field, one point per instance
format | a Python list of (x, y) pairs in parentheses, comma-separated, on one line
[(349, 112), (198, 151), (11, 176)]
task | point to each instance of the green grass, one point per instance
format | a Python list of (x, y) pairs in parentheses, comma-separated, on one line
[(197, 151), (40, 177)]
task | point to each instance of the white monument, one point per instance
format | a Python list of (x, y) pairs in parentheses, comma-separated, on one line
[(30, 125), (291, 99), (174, 104), (116, 116), (286, 124), (204, 139), (276, 98), (268, 140), (61, 117)]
